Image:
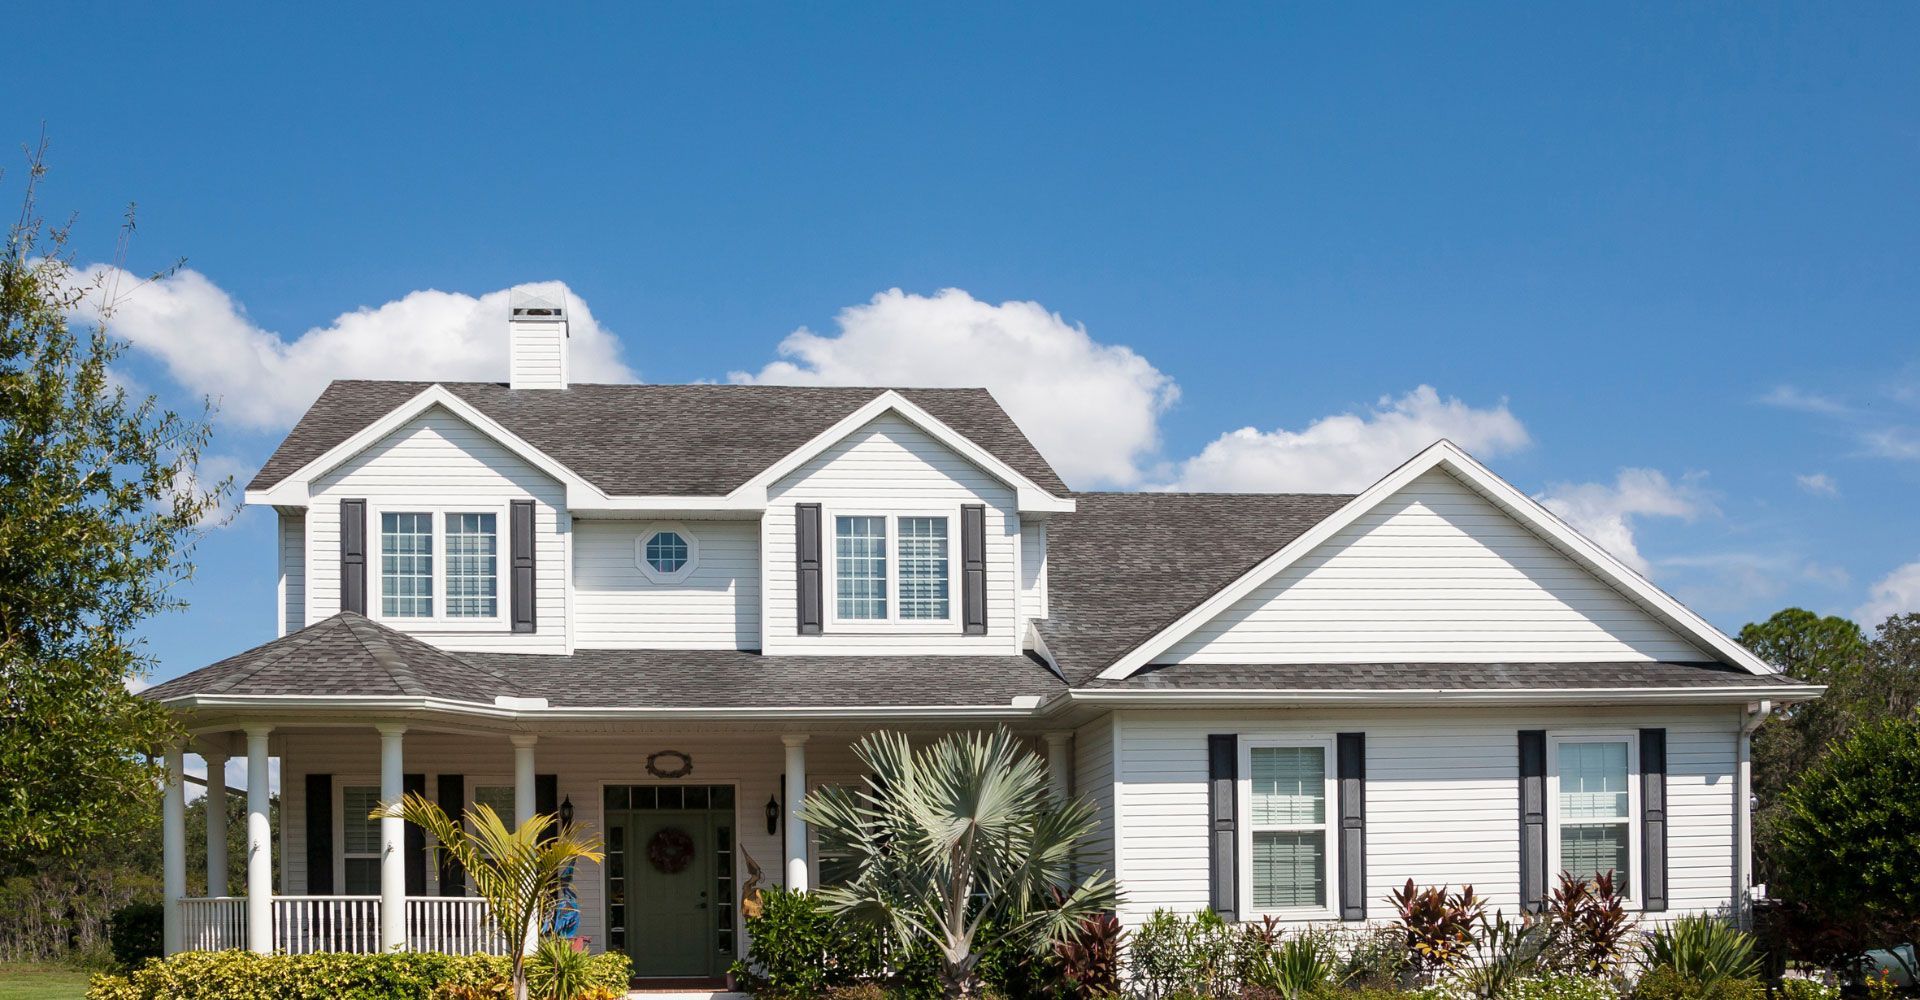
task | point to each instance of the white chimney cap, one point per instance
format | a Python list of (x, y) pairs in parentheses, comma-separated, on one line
[(537, 304)]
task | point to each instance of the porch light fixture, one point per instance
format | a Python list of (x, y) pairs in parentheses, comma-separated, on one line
[(566, 812), (773, 813)]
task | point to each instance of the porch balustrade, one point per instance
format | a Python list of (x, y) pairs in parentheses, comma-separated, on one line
[(452, 925)]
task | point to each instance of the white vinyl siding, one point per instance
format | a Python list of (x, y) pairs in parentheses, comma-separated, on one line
[(1033, 571), (889, 468), (293, 572), (713, 605), (439, 463), (1442, 797), (1436, 573), (1093, 780)]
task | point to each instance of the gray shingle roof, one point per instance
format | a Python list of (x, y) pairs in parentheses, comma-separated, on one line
[(1123, 566), (658, 440), (349, 655), (1441, 676)]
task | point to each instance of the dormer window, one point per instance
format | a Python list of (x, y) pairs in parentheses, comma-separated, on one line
[(892, 568), (440, 566), (666, 553)]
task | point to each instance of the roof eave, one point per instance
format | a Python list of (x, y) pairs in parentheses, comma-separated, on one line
[(523, 710), (1418, 697)]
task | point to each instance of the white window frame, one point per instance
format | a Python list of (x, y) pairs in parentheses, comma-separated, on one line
[(440, 621), (1328, 825), (1635, 818), (340, 855), (647, 569), (893, 623)]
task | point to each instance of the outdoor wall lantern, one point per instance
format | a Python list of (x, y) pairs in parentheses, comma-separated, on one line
[(566, 812), (773, 812)]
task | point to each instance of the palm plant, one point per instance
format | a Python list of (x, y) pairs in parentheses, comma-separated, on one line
[(1704, 949), (960, 845), (516, 871)]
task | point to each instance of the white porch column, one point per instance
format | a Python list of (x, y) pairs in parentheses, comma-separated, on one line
[(1060, 765), (523, 807), (216, 823), (259, 843), (523, 780), (173, 851), (796, 792), (393, 842)]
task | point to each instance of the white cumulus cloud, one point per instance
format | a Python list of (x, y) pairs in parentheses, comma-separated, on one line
[(264, 381), (1349, 451), (1819, 484), (1606, 512), (1894, 594), (1092, 409)]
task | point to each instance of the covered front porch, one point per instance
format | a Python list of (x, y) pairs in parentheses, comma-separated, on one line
[(694, 814)]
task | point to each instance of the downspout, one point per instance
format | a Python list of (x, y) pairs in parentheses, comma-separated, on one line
[(1755, 714)]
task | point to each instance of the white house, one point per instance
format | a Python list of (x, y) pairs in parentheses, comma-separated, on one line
[(668, 611)]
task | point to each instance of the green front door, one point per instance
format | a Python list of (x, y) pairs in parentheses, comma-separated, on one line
[(670, 878)]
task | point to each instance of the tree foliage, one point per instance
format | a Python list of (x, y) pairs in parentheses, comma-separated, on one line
[(959, 845), (1849, 834)]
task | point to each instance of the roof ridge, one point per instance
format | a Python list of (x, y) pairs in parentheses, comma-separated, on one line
[(288, 645), (383, 653)]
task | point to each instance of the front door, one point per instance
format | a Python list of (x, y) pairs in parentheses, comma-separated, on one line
[(670, 878)]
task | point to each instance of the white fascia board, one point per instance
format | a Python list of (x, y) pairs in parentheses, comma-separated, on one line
[(294, 489), (1021, 707), (1416, 697), (1030, 497), (1445, 454)]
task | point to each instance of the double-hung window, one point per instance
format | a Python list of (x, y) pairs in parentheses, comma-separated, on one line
[(1289, 847), (1595, 802), (360, 840), (892, 568), (440, 566)]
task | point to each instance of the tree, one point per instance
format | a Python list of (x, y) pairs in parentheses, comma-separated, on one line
[(518, 872), (1849, 836), (99, 510), (960, 845)]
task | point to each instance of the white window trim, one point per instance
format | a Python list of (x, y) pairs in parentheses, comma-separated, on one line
[(440, 621), (647, 569), (893, 624), (1329, 825), (340, 854), (1635, 818)]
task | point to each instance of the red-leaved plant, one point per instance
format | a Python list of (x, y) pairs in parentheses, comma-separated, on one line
[(1590, 924), (1439, 926), (1090, 959)]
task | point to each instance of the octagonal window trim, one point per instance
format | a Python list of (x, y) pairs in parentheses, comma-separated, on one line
[(656, 574)]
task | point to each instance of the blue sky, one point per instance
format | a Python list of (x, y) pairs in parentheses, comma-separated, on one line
[(1659, 264)]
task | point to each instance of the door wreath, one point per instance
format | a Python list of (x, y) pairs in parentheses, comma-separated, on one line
[(670, 850)]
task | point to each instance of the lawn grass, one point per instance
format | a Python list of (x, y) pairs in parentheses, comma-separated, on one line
[(42, 982)]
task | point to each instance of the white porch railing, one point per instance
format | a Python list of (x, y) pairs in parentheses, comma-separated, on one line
[(451, 925), (213, 924), (303, 924)]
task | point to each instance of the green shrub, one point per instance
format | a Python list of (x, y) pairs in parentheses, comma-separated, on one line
[(1849, 836), (135, 931), (1561, 986), (1173, 955), (1807, 989), (1298, 967), (797, 949), (242, 975), (1667, 983), (1703, 949), (557, 972)]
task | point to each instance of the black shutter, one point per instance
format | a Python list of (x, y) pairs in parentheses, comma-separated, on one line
[(520, 547), (319, 834), (1353, 825), (807, 559), (415, 840), (353, 556), (1533, 820), (546, 799), (453, 801), (1223, 845), (1652, 889), (973, 566)]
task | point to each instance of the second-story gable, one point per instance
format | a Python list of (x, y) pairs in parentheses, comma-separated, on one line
[(890, 500), (436, 501)]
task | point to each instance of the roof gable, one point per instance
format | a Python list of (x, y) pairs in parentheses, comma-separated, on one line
[(658, 440), (1524, 510)]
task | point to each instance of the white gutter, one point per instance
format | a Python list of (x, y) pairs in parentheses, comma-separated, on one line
[(1189, 697), (1754, 715), (528, 709)]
